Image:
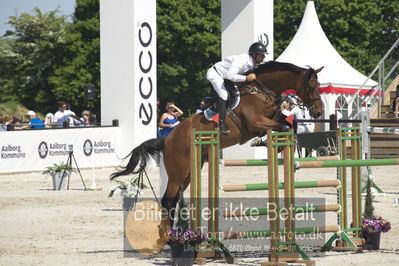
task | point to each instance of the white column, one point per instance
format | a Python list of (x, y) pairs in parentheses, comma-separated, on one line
[(243, 23), (128, 69)]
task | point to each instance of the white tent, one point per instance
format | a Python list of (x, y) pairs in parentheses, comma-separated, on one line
[(338, 80)]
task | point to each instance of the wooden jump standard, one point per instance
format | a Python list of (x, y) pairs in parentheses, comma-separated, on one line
[(342, 234), (210, 141)]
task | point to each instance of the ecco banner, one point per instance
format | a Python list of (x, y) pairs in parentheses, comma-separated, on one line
[(34, 150)]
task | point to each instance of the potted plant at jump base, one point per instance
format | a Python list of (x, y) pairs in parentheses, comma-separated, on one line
[(372, 225), (182, 240), (59, 173), (128, 190)]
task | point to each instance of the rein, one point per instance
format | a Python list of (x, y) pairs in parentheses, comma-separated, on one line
[(254, 90)]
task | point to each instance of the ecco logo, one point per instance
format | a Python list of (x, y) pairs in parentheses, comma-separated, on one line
[(43, 149), (145, 111), (87, 147)]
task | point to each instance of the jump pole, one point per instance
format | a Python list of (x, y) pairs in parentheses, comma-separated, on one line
[(265, 186), (297, 209), (347, 163), (261, 162)]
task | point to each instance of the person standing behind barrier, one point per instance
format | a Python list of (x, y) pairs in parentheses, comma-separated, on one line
[(233, 68), (169, 119), (73, 119), (302, 113), (396, 102), (202, 106), (34, 122), (49, 120), (61, 116), (85, 119)]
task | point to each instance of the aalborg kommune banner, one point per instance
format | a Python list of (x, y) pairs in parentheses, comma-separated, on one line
[(34, 150)]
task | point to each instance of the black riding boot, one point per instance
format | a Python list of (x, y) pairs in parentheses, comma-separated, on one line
[(222, 117)]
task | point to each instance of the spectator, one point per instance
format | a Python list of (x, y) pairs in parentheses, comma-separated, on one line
[(159, 134), (61, 116), (16, 123), (34, 122), (302, 113), (73, 119), (2, 128), (8, 123), (49, 120), (86, 117), (202, 106), (396, 102), (169, 119)]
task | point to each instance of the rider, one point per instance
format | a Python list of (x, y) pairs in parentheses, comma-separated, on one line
[(232, 68)]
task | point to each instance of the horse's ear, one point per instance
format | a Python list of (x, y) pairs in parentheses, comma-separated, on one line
[(319, 69)]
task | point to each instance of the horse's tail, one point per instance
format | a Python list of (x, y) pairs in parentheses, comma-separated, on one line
[(141, 154)]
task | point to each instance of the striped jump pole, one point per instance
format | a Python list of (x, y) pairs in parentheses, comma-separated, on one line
[(297, 209), (299, 184), (261, 162), (382, 130), (347, 163)]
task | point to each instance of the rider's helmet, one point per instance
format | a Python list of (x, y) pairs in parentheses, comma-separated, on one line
[(257, 48)]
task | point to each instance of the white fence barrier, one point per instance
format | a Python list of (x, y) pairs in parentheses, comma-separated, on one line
[(34, 150)]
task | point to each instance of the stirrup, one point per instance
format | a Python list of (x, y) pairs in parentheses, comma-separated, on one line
[(224, 130)]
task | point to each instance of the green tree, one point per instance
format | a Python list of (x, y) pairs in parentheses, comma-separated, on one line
[(188, 43), (81, 58), (28, 57)]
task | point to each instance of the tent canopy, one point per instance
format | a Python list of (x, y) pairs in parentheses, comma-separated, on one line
[(311, 47)]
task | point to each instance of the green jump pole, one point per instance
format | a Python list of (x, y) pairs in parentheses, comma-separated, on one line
[(347, 163), (265, 233), (298, 184), (261, 162), (297, 209)]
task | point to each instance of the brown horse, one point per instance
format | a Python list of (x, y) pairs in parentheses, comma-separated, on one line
[(252, 117)]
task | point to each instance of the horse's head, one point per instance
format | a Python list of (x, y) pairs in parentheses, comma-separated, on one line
[(310, 94)]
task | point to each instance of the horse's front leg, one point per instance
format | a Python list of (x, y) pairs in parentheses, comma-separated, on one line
[(266, 123)]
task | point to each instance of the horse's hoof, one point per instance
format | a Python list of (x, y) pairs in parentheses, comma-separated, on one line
[(258, 142)]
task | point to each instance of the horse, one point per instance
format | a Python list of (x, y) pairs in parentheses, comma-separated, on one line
[(254, 114)]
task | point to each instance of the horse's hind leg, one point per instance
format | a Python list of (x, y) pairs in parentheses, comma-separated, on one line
[(168, 202)]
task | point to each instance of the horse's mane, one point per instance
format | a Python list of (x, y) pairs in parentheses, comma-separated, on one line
[(272, 66)]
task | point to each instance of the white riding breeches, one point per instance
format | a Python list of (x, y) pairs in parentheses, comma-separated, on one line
[(217, 82)]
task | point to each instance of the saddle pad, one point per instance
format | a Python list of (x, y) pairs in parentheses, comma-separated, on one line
[(233, 103)]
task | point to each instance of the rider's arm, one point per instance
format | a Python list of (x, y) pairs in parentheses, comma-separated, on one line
[(237, 64)]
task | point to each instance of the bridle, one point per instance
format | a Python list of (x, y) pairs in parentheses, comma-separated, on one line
[(310, 102)]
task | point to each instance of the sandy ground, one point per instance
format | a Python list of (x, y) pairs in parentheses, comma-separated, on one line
[(39, 226)]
